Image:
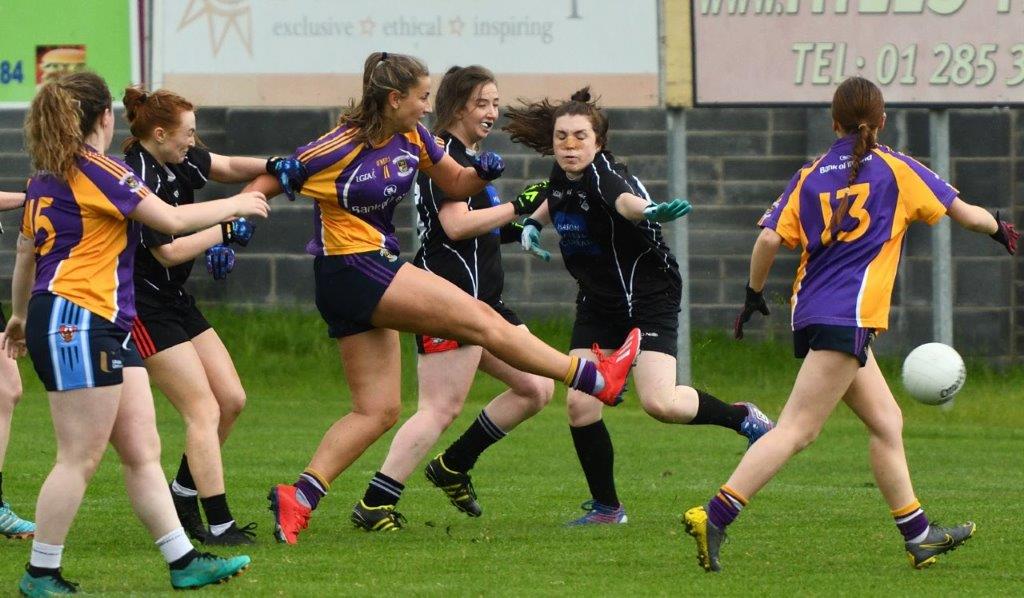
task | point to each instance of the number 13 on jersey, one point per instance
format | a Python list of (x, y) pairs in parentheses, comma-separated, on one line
[(856, 196)]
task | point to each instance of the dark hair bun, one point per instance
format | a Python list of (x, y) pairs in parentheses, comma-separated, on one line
[(582, 95)]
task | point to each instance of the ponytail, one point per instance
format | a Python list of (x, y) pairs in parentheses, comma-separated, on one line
[(145, 111), (857, 109), (60, 117), (383, 72)]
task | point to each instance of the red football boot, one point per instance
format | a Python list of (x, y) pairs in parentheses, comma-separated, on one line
[(290, 516), (615, 368)]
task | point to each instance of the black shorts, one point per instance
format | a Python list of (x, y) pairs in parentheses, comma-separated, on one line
[(826, 337), (73, 348), (434, 344), (164, 322), (349, 287), (3, 318), (658, 322)]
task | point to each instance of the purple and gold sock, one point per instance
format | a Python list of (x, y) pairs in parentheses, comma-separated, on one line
[(912, 522), (725, 507), (583, 376), (311, 487)]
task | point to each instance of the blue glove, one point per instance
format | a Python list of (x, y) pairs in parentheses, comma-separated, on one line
[(488, 165), (668, 211), (290, 173), (237, 231), (220, 259), (530, 239)]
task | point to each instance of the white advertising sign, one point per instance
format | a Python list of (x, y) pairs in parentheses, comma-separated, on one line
[(311, 52), (927, 52)]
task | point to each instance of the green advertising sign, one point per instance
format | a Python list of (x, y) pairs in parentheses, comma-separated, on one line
[(44, 38)]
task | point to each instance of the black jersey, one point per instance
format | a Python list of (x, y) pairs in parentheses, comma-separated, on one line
[(617, 263), (175, 184), (474, 265)]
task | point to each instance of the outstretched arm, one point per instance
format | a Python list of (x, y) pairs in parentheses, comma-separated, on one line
[(11, 201), (973, 218), (235, 169), (462, 181), (175, 220), (977, 219), (265, 184)]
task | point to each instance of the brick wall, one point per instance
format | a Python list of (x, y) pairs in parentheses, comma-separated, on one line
[(739, 161)]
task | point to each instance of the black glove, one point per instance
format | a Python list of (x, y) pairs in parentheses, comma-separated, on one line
[(530, 198), (754, 302), (511, 232), (1006, 235)]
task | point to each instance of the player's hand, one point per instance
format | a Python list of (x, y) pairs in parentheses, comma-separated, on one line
[(220, 260), (14, 337), (237, 231), (488, 165), (530, 198), (1006, 235), (668, 211), (291, 174), (511, 232), (251, 203), (754, 302), (530, 239)]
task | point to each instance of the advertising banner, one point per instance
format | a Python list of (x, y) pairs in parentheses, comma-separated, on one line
[(920, 52), (311, 52), (44, 38)]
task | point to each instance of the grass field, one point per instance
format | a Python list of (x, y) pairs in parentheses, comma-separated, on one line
[(819, 528)]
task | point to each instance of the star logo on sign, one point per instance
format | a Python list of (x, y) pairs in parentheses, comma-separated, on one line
[(455, 26), (221, 16), (367, 26)]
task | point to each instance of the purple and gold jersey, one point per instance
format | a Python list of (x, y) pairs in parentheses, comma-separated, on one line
[(846, 279), (357, 186), (85, 245)]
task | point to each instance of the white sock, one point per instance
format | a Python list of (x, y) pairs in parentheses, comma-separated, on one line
[(220, 528), (183, 491), (920, 538), (46, 556), (174, 545)]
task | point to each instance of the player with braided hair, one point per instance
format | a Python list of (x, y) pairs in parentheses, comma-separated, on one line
[(849, 210)]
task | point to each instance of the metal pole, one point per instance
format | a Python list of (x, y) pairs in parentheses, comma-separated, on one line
[(901, 145), (677, 187), (942, 271)]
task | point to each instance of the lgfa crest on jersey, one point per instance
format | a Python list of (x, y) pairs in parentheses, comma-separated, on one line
[(131, 181), (404, 165)]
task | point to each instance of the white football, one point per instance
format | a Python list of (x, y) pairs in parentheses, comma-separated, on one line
[(933, 373)]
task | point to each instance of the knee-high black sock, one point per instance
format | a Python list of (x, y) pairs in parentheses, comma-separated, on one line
[(461, 456), (597, 457), (711, 411)]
